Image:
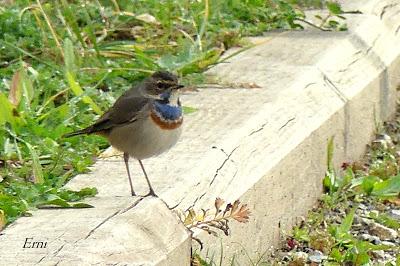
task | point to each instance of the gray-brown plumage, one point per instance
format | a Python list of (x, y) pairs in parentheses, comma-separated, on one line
[(144, 121)]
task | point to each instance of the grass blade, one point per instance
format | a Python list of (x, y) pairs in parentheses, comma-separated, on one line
[(36, 166), (69, 60), (71, 19), (6, 111), (345, 226), (77, 90), (70, 70)]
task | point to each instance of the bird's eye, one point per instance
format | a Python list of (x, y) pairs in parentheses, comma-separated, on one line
[(164, 84)]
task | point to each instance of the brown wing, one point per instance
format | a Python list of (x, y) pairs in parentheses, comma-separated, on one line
[(129, 107)]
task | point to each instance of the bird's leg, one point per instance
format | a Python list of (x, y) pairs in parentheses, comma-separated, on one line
[(151, 192), (126, 159)]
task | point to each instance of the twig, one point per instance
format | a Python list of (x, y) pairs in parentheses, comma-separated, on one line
[(51, 28), (312, 24)]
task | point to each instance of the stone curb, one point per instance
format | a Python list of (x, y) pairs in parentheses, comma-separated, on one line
[(130, 231), (266, 146)]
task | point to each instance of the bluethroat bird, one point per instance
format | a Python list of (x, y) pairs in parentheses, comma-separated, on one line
[(145, 121)]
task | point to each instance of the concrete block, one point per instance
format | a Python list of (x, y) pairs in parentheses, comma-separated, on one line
[(121, 230)]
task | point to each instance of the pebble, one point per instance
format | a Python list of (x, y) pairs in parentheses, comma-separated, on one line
[(300, 256), (382, 141), (378, 254), (366, 221), (383, 232), (373, 239), (358, 227), (395, 214), (317, 256), (362, 206), (388, 243)]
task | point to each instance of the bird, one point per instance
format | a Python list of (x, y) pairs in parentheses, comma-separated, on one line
[(145, 121)]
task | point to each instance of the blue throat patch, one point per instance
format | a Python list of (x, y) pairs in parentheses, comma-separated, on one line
[(167, 111)]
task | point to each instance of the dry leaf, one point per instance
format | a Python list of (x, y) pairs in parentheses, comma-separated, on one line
[(250, 85), (208, 230), (200, 216), (227, 208), (126, 13), (189, 219), (15, 90), (235, 206), (218, 203), (211, 222), (395, 201), (21, 88), (242, 215), (110, 152), (148, 19)]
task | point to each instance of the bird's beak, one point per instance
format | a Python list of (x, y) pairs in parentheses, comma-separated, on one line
[(177, 87)]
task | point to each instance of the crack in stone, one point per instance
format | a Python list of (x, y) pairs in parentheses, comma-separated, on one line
[(287, 122), (221, 149), (166, 205), (59, 249), (222, 165), (397, 30), (334, 88), (132, 206), (253, 151), (195, 201), (385, 8), (111, 216), (180, 201), (258, 130), (309, 84), (368, 48), (373, 44), (350, 64), (102, 222), (41, 260), (185, 196), (233, 177)]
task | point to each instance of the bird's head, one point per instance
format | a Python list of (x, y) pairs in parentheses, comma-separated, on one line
[(161, 85)]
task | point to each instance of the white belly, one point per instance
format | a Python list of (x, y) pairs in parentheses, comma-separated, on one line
[(143, 139)]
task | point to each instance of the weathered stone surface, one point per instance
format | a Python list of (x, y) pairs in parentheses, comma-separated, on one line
[(124, 230), (266, 146)]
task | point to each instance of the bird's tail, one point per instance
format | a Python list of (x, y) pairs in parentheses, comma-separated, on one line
[(78, 132)]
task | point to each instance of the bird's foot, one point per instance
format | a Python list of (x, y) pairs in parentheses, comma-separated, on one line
[(153, 194)]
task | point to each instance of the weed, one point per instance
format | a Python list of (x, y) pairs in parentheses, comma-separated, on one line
[(329, 229), (211, 222)]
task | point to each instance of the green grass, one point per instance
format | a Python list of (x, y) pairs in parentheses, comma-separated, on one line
[(375, 181), (63, 63)]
